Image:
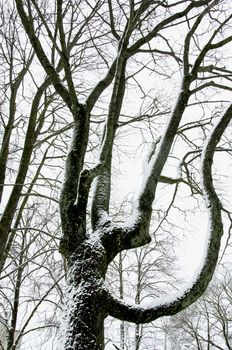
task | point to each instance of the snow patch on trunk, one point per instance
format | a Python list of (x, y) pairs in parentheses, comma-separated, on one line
[(65, 331)]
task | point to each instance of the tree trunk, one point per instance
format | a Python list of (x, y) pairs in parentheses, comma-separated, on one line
[(85, 303)]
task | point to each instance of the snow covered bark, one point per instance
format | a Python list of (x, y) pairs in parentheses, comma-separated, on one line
[(85, 301)]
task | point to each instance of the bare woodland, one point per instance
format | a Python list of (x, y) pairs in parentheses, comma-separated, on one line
[(87, 87)]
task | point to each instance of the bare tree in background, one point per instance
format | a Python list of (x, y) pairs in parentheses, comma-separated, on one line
[(29, 138), (207, 324), (137, 275), (116, 41)]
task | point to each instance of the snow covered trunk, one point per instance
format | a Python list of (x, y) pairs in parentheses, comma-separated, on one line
[(85, 306)]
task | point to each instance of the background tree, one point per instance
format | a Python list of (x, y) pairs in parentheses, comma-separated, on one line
[(96, 57), (208, 325), (136, 276), (29, 140)]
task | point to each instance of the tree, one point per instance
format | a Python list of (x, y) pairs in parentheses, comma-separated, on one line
[(29, 140), (22, 127), (31, 282), (122, 40)]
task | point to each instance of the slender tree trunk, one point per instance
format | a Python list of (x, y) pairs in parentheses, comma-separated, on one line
[(121, 294), (15, 309)]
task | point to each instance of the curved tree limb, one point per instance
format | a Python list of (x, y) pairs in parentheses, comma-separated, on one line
[(139, 314), (137, 232)]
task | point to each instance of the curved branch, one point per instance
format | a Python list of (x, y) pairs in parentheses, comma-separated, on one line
[(139, 314)]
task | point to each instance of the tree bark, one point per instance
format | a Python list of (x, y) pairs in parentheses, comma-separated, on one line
[(85, 305)]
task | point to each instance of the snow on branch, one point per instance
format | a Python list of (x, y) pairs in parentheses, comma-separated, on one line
[(101, 196), (157, 158), (176, 303), (135, 232)]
